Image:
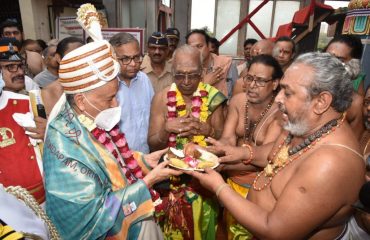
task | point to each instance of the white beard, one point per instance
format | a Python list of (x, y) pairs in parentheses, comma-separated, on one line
[(299, 126), (296, 129)]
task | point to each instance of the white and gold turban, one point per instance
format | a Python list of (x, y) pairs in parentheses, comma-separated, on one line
[(92, 65)]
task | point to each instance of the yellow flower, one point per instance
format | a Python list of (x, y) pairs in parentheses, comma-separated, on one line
[(203, 117), (200, 140), (182, 113)]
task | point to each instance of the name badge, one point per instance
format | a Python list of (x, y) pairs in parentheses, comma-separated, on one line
[(7, 137), (129, 208)]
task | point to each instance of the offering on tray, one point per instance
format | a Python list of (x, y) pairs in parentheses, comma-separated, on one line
[(192, 157)]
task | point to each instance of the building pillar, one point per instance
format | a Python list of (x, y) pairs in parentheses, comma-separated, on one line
[(35, 19), (182, 18), (244, 7)]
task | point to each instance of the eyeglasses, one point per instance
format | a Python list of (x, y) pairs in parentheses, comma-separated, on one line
[(14, 67), (260, 82), (189, 76), (125, 60)]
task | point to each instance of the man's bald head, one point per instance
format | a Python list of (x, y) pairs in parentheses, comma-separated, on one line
[(263, 46), (186, 51)]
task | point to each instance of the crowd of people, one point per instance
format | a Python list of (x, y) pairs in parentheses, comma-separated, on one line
[(85, 127)]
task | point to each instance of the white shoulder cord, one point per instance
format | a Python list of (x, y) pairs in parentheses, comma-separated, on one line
[(263, 123), (344, 146)]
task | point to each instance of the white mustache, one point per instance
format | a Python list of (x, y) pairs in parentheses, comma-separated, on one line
[(282, 108)]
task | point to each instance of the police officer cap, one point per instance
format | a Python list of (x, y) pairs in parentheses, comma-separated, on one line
[(9, 50), (173, 33), (158, 38)]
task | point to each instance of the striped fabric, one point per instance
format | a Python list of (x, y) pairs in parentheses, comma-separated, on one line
[(8, 233), (88, 67)]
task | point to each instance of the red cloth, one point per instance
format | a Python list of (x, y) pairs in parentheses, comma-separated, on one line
[(301, 16), (284, 30), (18, 162)]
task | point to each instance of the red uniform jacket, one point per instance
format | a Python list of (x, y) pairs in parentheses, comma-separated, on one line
[(18, 161)]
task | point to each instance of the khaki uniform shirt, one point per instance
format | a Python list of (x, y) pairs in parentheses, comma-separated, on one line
[(159, 82)]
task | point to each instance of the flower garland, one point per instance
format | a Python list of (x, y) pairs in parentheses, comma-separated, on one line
[(176, 107), (174, 216), (116, 143)]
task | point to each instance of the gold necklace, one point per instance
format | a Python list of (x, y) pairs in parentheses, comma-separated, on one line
[(284, 155)]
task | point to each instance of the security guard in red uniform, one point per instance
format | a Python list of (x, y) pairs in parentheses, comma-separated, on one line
[(20, 157)]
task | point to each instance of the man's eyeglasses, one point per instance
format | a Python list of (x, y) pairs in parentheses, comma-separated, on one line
[(189, 76), (260, 82), (125, 60), (14, 67)]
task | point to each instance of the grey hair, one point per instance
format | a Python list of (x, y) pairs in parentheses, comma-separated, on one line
[(189, 50), (122, 38), (353, 67), (45, 53), (330, 75)]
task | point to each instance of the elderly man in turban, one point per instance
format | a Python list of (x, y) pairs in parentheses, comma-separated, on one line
[(96, 187)]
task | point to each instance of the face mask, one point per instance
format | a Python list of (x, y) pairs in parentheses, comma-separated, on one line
[(107, 118)]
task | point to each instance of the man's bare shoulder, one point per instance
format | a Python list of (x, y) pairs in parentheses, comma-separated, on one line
[(238, 99), (320, 186), (237, 103), (163, 92), (238, 87), (276, 114), (334, 160), (336, 155), (160, 98)]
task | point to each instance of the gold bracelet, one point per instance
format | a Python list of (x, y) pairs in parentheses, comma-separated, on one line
[(219, 188), (249, 160)]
